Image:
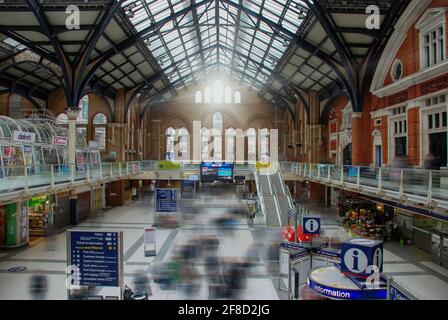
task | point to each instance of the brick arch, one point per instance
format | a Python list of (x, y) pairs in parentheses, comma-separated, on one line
[(266, 122), (177, 122), (334, 102)]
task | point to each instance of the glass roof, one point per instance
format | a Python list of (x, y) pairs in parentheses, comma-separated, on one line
[(218, 35)]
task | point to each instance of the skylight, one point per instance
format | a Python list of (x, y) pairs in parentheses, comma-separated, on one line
[(218, 35)]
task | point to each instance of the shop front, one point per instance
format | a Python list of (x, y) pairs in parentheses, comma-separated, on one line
[(48, 214), (365, 219), (83, 202), (41, 215), (14, 225), (98, 199)]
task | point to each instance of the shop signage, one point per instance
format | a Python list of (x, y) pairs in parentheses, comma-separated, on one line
[(97, 256), (166, 200), (22, 136), (311, 225), (397, 294), (60, 141), (149, 241), (346, 294)]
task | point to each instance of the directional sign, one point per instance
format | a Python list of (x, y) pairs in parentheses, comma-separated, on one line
[(166, 200), (311, 225), (97, 256)]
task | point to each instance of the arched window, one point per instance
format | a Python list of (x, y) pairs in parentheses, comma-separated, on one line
[(83, 117), (205, 134), (208, 95), (62, 119), (170, 135), (184, 136), (252, 145), (230, 145), (218, 127), (237, 97), (99, 129), (15, 105), (264, 145), (228, 95), (198, 97), (217, 92)]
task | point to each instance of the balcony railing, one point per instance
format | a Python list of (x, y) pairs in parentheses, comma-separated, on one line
[(421, 186)]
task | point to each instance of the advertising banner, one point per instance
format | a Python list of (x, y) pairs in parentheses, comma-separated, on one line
[(11, 224), (98, 257), (168, 165)]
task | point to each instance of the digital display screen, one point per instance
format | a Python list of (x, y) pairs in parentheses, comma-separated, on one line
[(211, 172)]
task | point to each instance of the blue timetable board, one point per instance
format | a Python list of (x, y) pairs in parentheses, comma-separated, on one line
[(166, 200), (97, 257)]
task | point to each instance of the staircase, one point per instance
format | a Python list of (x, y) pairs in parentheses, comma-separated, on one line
[(267, 200), (281, 193)]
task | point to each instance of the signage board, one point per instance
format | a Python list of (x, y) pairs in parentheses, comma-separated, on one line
[(98, 256), (22, 136), (358, 256), (166, 200), (346, 294), (60, 141), (211, 172), (149, 241), (397, 294), (311, 225)]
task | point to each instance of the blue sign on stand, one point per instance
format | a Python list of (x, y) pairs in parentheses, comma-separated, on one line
[(97, 256), (166, 200), (311, 225)]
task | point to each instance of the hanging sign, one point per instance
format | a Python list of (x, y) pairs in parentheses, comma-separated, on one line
[(60, 141), (22, 136)]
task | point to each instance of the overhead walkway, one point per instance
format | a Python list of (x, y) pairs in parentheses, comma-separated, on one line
[(413, 187), (425, 189)]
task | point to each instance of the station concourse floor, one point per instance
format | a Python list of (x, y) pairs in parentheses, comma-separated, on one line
[(410, 267)]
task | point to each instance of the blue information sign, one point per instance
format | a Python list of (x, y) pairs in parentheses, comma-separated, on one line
[(166, 200), (311, 225), (96, 255), (347, 294), (397, 294)]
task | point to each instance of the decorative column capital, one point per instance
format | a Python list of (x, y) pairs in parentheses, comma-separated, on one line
[(72, 112)]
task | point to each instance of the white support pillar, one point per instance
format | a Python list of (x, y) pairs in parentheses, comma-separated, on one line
[(72, 113), (401, 184), (430, 187), (380, 180), (358, 178)]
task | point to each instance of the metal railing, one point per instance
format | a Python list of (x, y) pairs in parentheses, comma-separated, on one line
[(428, 186), (422, 186)]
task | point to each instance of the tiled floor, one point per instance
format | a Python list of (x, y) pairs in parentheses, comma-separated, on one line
[(409, 267)]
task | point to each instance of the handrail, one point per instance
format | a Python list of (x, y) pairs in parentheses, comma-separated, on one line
[(260, 195)]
